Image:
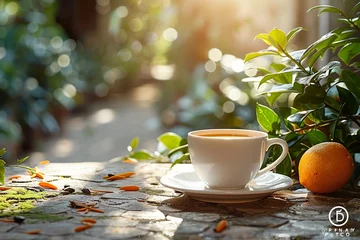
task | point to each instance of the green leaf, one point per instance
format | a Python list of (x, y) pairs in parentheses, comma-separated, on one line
[(184, 157), (279, 37), (272, 97), (280, 77), (299, 117), (316, 136), (347, 98), (327, 8), (348, 52), (133, 144), (285, 166), (323, 42), (353, 10), (313, 95), (264, 37), (170, 140), (142, 155), (267, 118), (317, 55), (253, 55), (2, 152), (20, 161), (332, 103), (293, 33), (2, 171), (352, 82)]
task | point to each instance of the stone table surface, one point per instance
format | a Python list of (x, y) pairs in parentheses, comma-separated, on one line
[(157, 212)]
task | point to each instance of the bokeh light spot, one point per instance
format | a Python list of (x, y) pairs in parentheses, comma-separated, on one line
[(170, 34), (31, 84), (56, 42), (228, 107), (69, 90), (125, 55), (63, 60), (135, 25), (238, 65), (215, 54), (210, 66), (12, 8), (122, 11)]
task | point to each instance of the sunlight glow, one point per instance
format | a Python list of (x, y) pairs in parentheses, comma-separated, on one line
[(103, 116), (162, 72), (63, 60), (69, 90), (238, 65), (63, 148)]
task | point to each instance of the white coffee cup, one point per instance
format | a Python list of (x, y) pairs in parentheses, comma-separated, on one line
[(231, 158)]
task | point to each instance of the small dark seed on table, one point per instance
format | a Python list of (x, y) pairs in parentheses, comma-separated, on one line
[(111, 174), (66, 186), (19, 219), (86, 191), (69, 190)]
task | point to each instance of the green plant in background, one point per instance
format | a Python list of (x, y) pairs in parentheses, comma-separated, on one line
[(41, 70), (323, 103)]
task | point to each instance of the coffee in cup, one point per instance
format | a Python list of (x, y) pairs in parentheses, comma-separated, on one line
[(231, 158)]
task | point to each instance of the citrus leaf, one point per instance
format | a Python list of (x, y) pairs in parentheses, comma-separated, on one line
[(351, 81), (2, 152), (264, 37), (267, 118), (170, 140), (323, 42), (279, 37), (253, 55), (347, 98), (20, 161), (2, 171), (285, 166), (327, 8), (316, 136), (353, 10), (293, 33), (184, 157), (142, 155), (348, 52), (133, 144)]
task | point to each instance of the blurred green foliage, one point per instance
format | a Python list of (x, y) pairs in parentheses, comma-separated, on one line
[(41, 70)]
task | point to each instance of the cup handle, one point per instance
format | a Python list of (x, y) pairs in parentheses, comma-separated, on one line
[(273, 165)]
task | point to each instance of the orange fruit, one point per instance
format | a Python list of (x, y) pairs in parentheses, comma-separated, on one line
[(325, 167)]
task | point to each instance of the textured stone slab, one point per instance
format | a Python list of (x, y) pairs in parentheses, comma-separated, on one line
[(196, 216), (265, 221), (115, 232), (126, 196), (191, 227), (145, 215), (159, 226)]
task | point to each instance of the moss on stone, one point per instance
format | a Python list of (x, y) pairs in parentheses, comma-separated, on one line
[(18, 200)]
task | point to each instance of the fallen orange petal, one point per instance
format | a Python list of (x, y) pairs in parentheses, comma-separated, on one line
[(130, 188), (33, 232), (44, 162), (14, 177), (82, 228), (3, 188), (48, 185)]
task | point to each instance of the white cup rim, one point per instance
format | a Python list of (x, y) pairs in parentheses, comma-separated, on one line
[(252, 133)]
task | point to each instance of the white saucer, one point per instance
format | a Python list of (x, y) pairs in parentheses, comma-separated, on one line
[(185, 180)]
